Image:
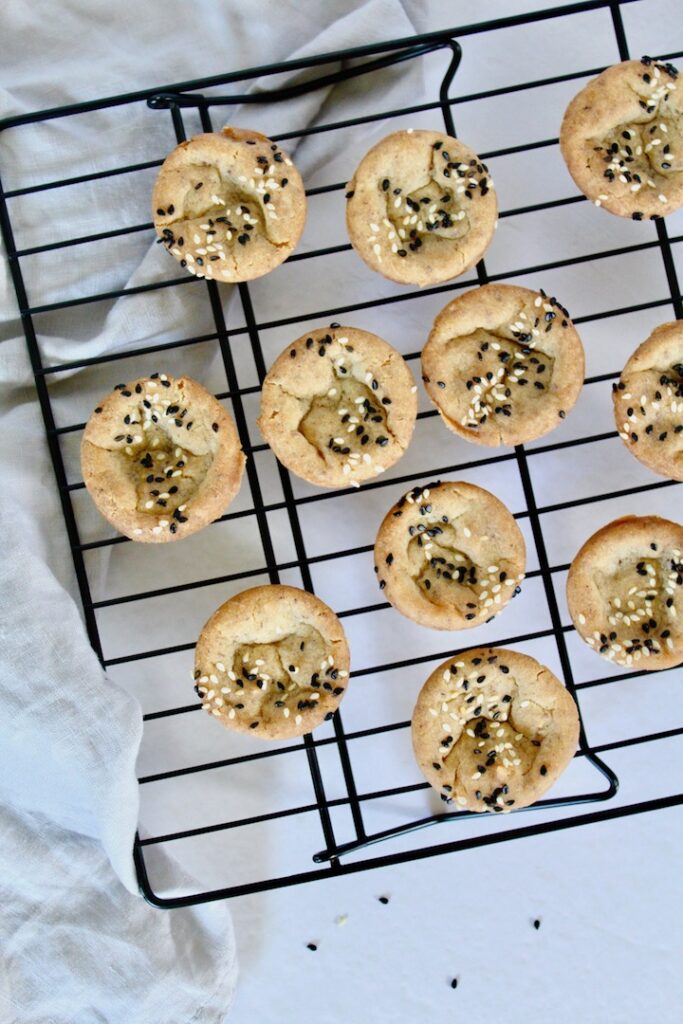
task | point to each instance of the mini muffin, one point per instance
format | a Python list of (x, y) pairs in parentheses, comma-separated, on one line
[(503, 365), (648, 401), (272, 661), (449, 555), (625, 592), (229, 206), (421, 208), (493, 730), (161, 458), (622, 139), (338, 406)]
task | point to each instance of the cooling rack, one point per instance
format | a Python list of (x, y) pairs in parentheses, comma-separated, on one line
[(350, 847)]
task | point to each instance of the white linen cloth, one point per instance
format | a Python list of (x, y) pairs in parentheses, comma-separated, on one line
[(78, 943)]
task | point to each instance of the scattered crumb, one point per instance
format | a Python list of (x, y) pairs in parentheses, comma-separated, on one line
[(342, 919)]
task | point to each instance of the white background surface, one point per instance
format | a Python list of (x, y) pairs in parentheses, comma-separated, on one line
[(606, 894)]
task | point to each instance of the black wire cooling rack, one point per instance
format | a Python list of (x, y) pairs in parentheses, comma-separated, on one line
[(336, 857)]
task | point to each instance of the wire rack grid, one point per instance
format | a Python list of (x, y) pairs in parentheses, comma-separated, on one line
[(599, 785)]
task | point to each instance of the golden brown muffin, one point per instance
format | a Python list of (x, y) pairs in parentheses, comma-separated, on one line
[(421, 208), (625, 592), (493, 730), (648, 401), (449, 555), (229, 206), (622, 139), (272, 661), (338, 406), (161, 458), (503, 365)]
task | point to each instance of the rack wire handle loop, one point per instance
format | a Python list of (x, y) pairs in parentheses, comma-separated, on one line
[(346, 72)]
